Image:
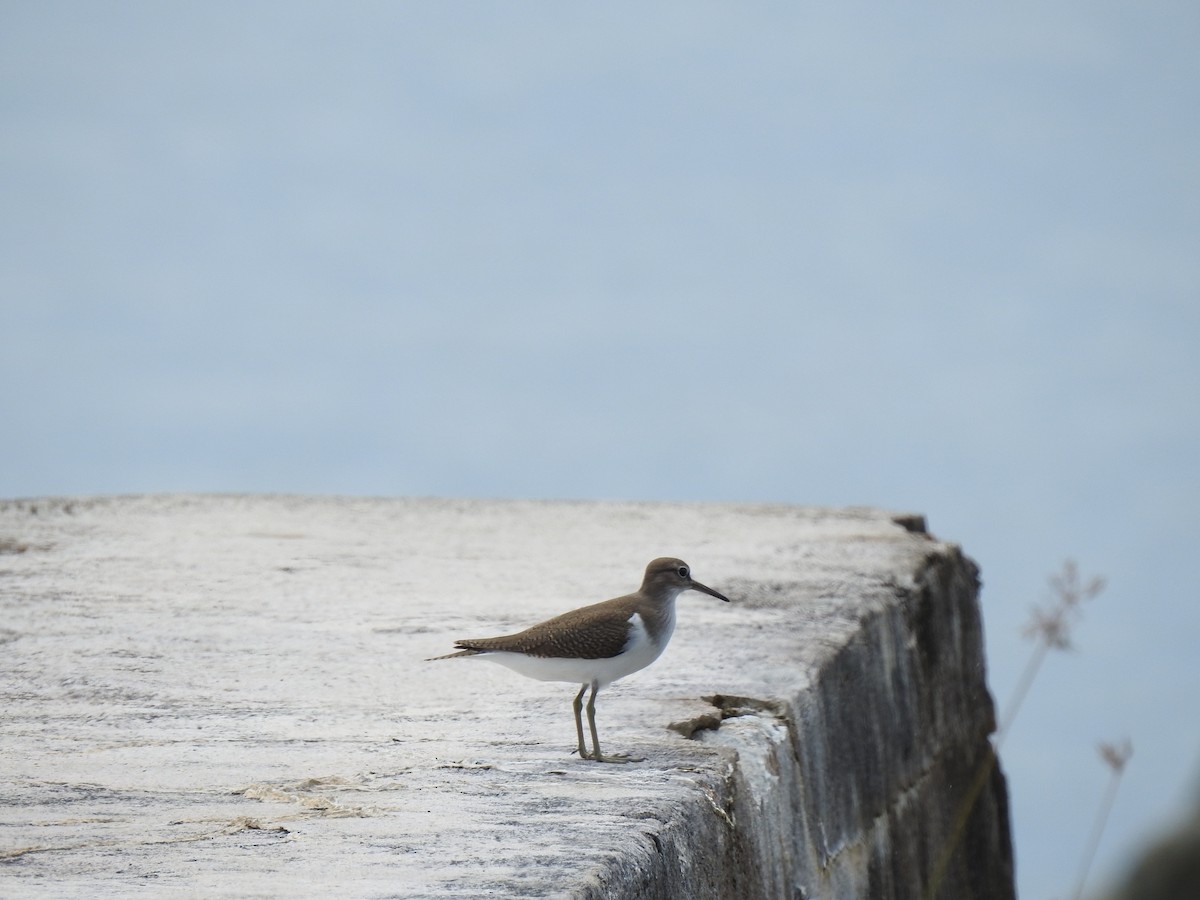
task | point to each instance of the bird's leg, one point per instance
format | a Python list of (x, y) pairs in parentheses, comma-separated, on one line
[(597, 755), (578, 707)]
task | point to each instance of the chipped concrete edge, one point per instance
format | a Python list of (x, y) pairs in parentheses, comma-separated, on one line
[(852, 786)]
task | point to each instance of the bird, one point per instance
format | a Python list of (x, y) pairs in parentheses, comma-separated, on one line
[(595, 645)]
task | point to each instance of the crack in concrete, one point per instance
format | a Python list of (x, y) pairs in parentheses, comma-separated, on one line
[(235, 826)]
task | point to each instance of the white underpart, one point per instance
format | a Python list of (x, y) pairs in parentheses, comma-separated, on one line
[(639, 652)]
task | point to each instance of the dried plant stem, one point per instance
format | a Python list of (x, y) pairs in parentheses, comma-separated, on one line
[(984, 772), (1115, 757), (958, 829), (1050, 628), (1097, 830), (1018, 695)]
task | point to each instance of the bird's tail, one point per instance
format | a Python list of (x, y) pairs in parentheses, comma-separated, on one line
[(452, 655)]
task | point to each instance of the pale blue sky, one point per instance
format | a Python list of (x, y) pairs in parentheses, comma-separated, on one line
[(942, 260)]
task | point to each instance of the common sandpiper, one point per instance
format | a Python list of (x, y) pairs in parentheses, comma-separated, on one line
[(595, 645)]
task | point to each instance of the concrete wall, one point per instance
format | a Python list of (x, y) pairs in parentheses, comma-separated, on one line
[(229, 695)]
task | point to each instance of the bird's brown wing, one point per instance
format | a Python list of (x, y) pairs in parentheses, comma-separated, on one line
[(599, 631)]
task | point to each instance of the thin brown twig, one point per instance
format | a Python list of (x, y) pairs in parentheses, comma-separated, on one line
[(1050, 628), (1115, 757)]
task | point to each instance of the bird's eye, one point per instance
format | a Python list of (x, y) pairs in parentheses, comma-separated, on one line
[(683, 572)]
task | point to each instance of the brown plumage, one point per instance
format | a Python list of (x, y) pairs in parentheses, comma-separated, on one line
[(598, 631)]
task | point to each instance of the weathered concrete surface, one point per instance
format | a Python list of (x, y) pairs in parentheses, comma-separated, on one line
[(227, 695)]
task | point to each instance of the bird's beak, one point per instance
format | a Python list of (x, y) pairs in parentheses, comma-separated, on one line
[(705, 589)]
